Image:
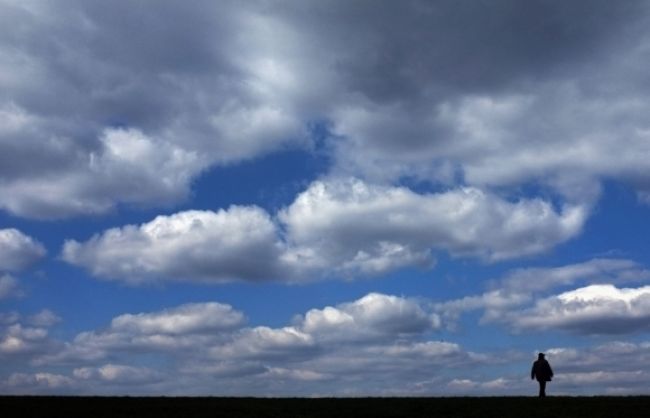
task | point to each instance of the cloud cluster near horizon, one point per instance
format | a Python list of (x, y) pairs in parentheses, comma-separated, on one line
[(211, 343), (204, 345)]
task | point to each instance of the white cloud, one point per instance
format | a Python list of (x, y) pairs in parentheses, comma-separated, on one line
[(183, 329), (266, 343), (388, 336), (18, 251), (45, 318), (35, 382), (371, 317), (117, 373), (279, 374), (200, 246), (334, 228), (102, 115), (506, 302), (353, 224), (185, 319), (27, 338), (595, 309), (598, 270), (308, 358)]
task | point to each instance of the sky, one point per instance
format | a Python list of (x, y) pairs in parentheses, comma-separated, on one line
[(324, 198)]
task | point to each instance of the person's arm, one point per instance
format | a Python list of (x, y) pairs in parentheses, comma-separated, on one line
[(532, 372)]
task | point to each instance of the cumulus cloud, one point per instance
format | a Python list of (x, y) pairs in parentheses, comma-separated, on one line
[(595, 309), (18, 251), (384, 334), (367, 227), (202, 246), (266, 343), (407, 91), (392, 353), (334, 228), (509, 296), (189, 327), (371, 317), (611, 368), (491, 113), (45, 318), (37, 383), (598, 270), (117, 374), (185, 319), (26, 337), (140, 120)]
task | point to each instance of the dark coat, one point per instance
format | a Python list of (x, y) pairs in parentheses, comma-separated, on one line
[(541, 371)]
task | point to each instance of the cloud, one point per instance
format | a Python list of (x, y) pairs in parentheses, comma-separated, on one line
[(614, 368), (264, 343), (493, 114), (208, 343), (117, 374), (37, 383), (185, 319), (598, 270), (200, 246), (344, 228), (45, 318), (408, 91), (595, 309), (606, 357), (24, 338), (375, 316), (177, 109), (370, 228), (183, 329), (388, 351), (18, 251), (508, 297)]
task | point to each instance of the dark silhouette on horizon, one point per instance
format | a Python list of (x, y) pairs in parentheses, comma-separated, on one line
[(542, 372)]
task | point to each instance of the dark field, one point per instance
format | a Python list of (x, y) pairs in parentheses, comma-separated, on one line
[(91, 407)]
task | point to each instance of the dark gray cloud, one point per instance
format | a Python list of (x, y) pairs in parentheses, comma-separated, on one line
[(418, 49)]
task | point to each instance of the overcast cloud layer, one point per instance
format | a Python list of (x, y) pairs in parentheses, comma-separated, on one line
[(465, 143)]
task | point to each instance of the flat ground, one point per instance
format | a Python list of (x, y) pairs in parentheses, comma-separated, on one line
[(520, 407)]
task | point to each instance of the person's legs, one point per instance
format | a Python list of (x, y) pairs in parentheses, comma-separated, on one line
[(542, 388)]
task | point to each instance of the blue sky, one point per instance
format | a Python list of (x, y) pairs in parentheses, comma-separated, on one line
[(323, 198)]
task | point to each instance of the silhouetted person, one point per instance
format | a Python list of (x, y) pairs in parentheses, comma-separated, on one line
[(542, 372)]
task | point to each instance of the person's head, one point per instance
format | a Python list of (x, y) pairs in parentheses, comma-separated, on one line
[(540, 356)]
